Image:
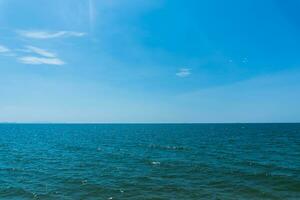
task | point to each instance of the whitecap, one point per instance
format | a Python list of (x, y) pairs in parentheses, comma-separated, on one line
[(155, 163)]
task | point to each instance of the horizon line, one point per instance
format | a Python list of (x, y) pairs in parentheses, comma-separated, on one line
[(116, 123)]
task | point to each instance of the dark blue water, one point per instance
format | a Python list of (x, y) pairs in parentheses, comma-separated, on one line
[(197, 161)]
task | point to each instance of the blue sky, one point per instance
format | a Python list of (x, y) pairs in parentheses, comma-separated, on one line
[(149, 61)]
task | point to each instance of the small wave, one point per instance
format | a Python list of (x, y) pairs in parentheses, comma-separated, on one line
[(167, 147), (155, 163), (12, 169), (84, 182)]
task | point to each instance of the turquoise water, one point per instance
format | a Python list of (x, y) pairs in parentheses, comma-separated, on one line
[(196, 161)]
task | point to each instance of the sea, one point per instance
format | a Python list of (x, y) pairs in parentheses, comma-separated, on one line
[(150, 161)]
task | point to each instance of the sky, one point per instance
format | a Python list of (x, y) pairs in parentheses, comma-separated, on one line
[(152, 61)]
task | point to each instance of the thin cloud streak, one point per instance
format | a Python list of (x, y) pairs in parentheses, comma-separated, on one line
[(183, 72), (4, 49), (91, 14), (41, 52), (49, 35), (40, 60)]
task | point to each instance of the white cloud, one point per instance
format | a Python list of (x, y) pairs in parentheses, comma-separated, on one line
[(40, 60), (49, 35), (39, 56), (183, 72), (245, 60), (39, 51), (4, 49)]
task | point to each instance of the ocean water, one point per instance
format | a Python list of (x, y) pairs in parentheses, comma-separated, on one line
[(162, 161)]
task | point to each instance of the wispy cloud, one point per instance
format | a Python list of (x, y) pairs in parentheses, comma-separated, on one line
[(183, 72), (39, 56), (39, 51), (48, 34), (245, 60), (91, 14), (4, 49), (40, 60), (43, 56)]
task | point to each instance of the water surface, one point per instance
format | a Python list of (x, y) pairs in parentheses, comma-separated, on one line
[(158, 161)]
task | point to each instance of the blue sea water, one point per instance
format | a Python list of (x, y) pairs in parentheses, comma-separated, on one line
[(150, 161)]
